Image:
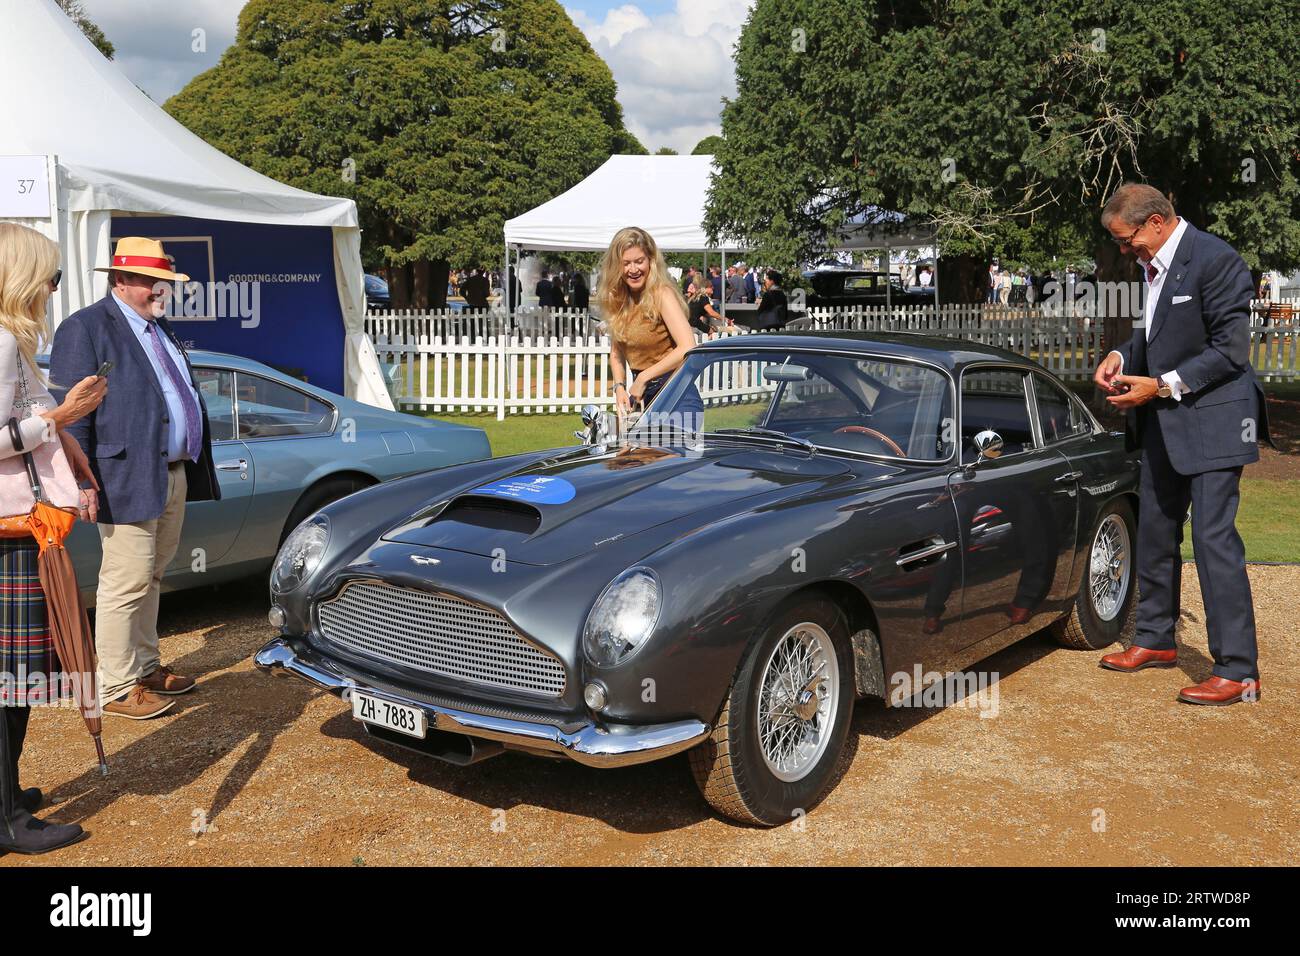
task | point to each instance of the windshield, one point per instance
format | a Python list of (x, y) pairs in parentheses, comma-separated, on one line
[(858, 403)]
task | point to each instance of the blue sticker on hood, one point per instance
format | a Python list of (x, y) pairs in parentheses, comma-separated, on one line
[(538, 489)]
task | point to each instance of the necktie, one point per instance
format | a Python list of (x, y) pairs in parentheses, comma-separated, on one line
[(193, 424), (1151, 272)]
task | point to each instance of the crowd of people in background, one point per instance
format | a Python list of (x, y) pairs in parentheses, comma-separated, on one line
[(1012, 285)]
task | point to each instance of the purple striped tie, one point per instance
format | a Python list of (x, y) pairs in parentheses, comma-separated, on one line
[(193, 425)]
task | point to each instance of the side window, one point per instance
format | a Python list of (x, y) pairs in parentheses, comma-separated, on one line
[(995, 399), (268, 409), (1058, 416), (217, 388)]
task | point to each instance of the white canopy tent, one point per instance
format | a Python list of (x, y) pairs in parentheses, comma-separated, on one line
[(664, 195), (890, 231), (111, 151)]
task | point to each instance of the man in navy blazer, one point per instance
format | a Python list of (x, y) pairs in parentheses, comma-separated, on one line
[(150, 448), (1196, 409)]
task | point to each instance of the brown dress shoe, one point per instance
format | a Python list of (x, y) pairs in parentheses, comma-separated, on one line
[(163, 681), (932, 625), (1136, 658), (1219, 692), (139, 704), (1018, 615)]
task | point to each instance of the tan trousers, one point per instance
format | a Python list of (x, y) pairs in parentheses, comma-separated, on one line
[(130, 580)]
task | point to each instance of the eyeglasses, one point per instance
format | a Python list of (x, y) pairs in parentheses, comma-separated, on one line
[(1132, 235), (54, 283)]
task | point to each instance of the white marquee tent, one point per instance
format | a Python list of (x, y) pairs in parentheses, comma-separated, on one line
[(110, 151), (664, 195)]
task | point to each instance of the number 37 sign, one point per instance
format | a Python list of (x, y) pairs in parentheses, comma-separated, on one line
[(24, 188)]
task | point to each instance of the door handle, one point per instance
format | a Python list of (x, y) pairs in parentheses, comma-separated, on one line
[(233, 464), (927, 552), (1070, 476)]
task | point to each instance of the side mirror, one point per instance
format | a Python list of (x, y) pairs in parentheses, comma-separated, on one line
[(593, 425), (988, 443)]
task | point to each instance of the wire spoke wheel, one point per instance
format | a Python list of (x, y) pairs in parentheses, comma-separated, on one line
[(1110, 567), (798, 701)]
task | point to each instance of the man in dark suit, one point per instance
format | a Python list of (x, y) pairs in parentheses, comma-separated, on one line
[(475, 290), (1195, 407), (150, 448), (543, 291)]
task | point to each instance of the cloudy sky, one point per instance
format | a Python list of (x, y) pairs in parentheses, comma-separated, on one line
[(671, 58)]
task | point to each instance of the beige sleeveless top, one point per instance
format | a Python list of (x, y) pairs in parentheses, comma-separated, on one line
[(643, 343)]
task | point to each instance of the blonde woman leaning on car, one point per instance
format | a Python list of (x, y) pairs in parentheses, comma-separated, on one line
[(645, 314), (29, 272)]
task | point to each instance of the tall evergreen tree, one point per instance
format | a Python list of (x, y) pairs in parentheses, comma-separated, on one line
[(1008, 124), (442, 119)]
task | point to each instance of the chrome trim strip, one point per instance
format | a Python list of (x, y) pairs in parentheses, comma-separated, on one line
[(924, 553), (613, 745)]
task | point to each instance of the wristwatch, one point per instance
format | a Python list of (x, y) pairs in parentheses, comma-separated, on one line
[(1163, 389), (616, 386)]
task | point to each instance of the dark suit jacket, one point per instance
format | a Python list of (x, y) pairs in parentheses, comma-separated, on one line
[(126, 437), (1206, 339)]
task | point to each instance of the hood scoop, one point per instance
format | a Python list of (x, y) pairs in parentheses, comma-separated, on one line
[(490, 514)]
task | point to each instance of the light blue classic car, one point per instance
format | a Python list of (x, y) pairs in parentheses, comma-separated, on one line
[(283, 449)]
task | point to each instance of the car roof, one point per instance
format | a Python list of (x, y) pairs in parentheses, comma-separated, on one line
[(949, 352)]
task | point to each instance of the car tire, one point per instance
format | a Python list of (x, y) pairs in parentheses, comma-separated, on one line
[(736, 774), (1094, 623), (324, 492)]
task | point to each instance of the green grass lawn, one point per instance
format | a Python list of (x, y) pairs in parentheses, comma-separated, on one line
[(1268, 517)]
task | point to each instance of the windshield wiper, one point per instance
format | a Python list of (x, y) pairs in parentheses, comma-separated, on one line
[(769, 433)]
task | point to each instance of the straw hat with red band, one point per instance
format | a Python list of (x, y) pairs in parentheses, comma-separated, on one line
[(144, 257)]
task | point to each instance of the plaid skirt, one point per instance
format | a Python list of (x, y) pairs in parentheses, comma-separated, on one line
[(28, 662)]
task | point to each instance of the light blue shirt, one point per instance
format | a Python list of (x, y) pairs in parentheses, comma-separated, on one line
[(177, 433)]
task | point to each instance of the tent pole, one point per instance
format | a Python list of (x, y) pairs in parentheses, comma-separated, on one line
[(934, 279), (889, 282), (723, 303)]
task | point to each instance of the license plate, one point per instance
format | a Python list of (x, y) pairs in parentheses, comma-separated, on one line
[(384, 713)]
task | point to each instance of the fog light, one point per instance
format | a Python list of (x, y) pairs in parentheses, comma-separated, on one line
[(276, 616), (595, 695)]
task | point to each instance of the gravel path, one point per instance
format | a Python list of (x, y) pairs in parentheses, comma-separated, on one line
[(1078, 766)]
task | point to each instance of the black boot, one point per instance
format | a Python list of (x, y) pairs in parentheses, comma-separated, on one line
[(31, 798), (20, 832)]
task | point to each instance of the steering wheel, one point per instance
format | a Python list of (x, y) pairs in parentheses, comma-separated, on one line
[(878, 436)]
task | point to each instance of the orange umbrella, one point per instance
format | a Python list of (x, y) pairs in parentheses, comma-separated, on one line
[(69, 625)]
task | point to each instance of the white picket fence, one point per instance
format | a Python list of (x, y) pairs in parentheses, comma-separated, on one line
[(555, 361)]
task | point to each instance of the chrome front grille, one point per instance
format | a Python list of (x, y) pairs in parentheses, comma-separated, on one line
[(438, 634)]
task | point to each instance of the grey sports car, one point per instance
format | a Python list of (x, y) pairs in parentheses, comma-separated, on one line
[(282, 449), (797, 521)]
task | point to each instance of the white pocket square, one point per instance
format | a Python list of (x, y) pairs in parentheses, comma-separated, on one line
[(1181, 298)]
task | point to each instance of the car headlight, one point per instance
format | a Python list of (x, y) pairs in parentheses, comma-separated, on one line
[(300, 554), (623, 617)]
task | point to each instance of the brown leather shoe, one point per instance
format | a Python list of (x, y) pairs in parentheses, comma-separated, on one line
[(139, 704), (1018, 615), (163, 681), (932, 625), (1220, 692), (1136, 658)]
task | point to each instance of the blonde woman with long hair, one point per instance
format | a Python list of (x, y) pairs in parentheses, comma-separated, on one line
[(645, 314), (29, 272)]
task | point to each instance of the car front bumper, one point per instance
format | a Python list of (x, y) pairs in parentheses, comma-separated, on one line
[(596, 745)]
